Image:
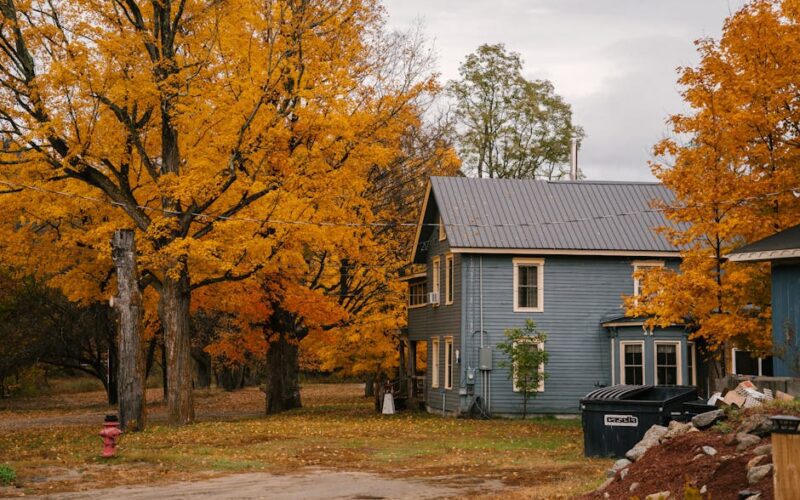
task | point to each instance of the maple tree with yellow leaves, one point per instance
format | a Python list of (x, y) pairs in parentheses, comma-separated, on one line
[(733, 166), (239, 139)]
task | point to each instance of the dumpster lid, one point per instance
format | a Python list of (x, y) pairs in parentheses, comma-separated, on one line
[(618, 391)]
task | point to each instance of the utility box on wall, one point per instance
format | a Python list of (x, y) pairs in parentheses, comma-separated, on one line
[(485, 358)]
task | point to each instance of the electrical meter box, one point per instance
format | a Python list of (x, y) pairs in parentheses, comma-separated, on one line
[(485, 358)]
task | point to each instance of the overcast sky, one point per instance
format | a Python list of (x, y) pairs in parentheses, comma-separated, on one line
[(614, 61)]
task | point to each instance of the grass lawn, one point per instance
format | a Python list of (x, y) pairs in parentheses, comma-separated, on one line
[(53, 446)]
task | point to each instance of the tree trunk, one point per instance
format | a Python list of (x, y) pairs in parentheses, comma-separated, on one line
[(164, 381), (174, 312), (282, 370), (229, 377), (202, 368), (128, 303), (369, 386)]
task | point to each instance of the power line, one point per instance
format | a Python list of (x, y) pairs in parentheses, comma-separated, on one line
[(200, 215)]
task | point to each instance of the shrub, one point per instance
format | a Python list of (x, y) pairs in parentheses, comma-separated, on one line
[(7, 475)]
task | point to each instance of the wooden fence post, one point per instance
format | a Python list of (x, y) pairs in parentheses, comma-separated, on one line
[(128, 304), (786, 457)]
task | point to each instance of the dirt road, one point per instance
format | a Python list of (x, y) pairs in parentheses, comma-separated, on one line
[(312, 485)]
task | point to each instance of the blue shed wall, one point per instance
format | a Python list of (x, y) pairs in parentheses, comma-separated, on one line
[(786, 319)]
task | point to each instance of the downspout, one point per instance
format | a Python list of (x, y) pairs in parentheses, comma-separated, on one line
[(487, 375)]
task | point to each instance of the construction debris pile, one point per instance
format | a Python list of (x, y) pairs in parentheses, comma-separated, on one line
[(746, 395)]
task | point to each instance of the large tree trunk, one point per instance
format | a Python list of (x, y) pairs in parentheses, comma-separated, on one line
[(282, 370), (128, 303), (174, 312)]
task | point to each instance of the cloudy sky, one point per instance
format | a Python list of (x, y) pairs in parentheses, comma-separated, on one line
[(614, 60)]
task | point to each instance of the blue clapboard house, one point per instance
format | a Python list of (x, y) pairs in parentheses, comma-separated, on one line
[(782, 251), (498, 252)]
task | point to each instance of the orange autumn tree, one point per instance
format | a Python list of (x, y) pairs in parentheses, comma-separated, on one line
[(341, 300), (198, 123), (735, 178)]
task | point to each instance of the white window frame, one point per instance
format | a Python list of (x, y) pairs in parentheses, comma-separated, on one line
[(539, 263), (734, 350), (442, 231), (436, 282), (435, 362), (449, 361), (514, 386), (622, 345), (678, 360), (691, 351), (643, 264), (448, 277)]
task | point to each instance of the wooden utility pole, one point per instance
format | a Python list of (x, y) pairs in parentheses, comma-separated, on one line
[(128, 304)]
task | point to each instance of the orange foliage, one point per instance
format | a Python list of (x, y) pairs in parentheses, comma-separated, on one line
[(734, 177)]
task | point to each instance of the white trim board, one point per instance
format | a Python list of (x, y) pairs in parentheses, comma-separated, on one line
[(789, 253)]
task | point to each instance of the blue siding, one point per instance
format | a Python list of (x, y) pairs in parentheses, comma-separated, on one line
[(440, 321), (578, 291), (786, 319)]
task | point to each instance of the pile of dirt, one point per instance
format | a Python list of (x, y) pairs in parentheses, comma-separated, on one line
[(681, 462)]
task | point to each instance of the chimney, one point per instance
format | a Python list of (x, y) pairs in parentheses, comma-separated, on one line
[(573, 157)]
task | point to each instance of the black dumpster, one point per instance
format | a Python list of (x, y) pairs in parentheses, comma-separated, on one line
[(615, 418), (692, 408)]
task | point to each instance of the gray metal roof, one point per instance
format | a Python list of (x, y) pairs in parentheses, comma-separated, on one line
[(782, 245), (556, 215)]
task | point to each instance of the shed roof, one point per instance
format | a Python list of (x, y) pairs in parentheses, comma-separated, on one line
[(782, 245), (515, 214)]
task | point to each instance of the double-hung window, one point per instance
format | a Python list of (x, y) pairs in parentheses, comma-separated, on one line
[(448, 279), (448, 362), (668, 363), (643, 266), (632, 363), (744, 363), (528, 285), (417, 293), (435, 362), (436, 280)]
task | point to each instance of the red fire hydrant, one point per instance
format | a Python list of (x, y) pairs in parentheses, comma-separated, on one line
[(110, 434)]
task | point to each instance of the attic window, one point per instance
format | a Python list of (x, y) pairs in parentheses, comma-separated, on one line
[(442, 233)]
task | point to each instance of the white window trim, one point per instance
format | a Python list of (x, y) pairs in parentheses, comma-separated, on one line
[(435, 362), (734, 350), (691, 351), (448, 276), (622, 345), (524, 261), (678, 359), (514, 386), (448, 365), (442, 231), (436, 281), (643, 264)]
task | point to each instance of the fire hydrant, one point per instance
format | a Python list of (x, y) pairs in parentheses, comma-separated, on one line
[(110, 434)]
